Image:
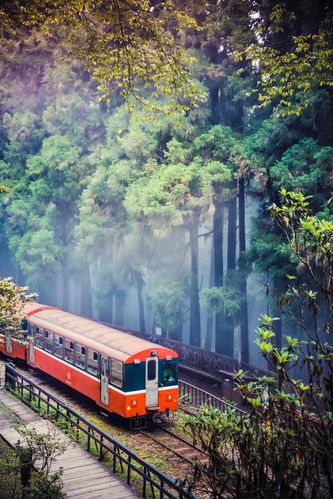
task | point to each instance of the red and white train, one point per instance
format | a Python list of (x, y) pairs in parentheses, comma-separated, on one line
[(126, 375)]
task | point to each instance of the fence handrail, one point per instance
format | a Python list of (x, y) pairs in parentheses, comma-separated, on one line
[(148, 468), (208, 396)]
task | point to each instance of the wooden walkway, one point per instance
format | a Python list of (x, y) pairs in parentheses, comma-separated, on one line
[(83, 477)]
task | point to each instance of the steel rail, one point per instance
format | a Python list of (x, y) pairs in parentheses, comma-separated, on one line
[(178, 438)]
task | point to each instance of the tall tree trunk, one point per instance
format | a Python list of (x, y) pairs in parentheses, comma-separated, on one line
[(65, 263), (195, 335), (244, 325), (120, 297), (65, 278), (218, 268), (46, 294), (86, 299), (176, 333), (214, 87), (6, 264), (105, 308), (210, 315), (232, 218), (139, 285), (218, 242), (229, 322)]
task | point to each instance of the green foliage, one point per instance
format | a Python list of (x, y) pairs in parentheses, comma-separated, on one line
[(122, 44), (3, 189), (44, 447), (171, 196), (169, 301), (288, 75), (12, 301), (224, 298), (304, 167), (283, 445), (310, 238), (172, 193), (42, 483), (48, 175), (9, 472)]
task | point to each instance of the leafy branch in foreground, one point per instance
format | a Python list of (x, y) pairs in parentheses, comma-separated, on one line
[(12, 301), (290, 71), (283, 446), (310, 238), (130, 48), (26, 470)]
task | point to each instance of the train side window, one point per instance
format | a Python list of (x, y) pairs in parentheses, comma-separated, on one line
[(116, 372), (58, 345), (48, 341), (92, 362), (69, 351), (39, 336), (80, 356)]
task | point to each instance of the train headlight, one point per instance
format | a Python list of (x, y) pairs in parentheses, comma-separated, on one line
[(169, 397), (134, 403)]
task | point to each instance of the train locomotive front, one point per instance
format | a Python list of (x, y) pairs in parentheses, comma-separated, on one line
[(123, 374)]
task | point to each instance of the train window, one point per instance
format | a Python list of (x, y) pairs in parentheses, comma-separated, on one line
[(69, 351), (58, 345), (169, 373), (116, 372), (48, 341), (80, 356), (151, 370), (92, 362), (39, 337)]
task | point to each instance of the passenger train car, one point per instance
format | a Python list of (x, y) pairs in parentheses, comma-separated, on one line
[(123, 374)]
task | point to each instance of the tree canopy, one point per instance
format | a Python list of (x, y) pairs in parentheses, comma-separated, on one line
[(130, 48)]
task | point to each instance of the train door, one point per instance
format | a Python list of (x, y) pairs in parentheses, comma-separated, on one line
[(151, 382), (8, 345), (31, 350), (104, 380)]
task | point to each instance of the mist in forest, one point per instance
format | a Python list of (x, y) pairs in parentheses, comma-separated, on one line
[(159, 223)]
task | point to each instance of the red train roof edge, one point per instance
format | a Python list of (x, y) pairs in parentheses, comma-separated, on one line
[(39, 309)]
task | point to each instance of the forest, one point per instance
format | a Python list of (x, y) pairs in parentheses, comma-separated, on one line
[(144, 198)]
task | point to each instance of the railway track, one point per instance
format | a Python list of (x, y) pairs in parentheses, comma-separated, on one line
[(181, 448), (162, 442), (176, 444)]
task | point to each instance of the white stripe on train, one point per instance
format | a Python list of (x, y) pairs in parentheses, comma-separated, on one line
[(135, 392)]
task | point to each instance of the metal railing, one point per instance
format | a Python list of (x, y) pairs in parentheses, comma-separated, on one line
[(197, 397), (149, 480)]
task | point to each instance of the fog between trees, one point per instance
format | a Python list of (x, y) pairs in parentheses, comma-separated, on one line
[(151, 220)]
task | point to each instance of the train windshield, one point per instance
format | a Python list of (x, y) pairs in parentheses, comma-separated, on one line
[(170, 372)]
